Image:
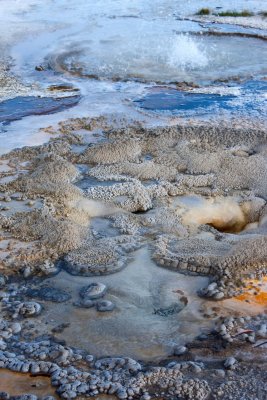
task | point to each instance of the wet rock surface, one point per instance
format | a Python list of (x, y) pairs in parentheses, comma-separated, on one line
[(19, 107), (104, 305), (49, 294), (29, 309), (93, 291)]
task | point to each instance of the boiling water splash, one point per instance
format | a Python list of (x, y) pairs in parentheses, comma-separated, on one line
[(187, 53), (148, 55), (144, 56)]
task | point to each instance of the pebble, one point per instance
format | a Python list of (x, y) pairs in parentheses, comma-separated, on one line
[(69, 394), (178, 351), (29, 309), (4, 396), (263, 330), (202, 337), (84, 303), (2, 281), (230, 362), (105, 305), (39, 68), (219, 296), (60, 328), (49, 268), (212, 286), (15, 327), (145, 396), (93, 291), (220, 373), (122, 394), (35, 368), (3, 345), (49, 398), (27, 272), (89, 358)]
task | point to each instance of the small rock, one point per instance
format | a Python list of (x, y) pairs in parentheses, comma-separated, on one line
[(29, 309), (89, 358), (178, 351), (39, 68), (202, 337), (105, 305), (220, 373), (212, 286), (69, 394), (49, 268), (230, 362), (2, 281), (49, 398), (93, 291), (219, 296), (145, 396), (4, 396), (60, 328), (122, 394), (3, 344), (35, 368), (16, 328), (27, 272), (84, 303), (263, 330)]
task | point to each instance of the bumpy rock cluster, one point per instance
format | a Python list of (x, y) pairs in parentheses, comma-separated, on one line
[(145, 171), (76, 373), (226, 166)]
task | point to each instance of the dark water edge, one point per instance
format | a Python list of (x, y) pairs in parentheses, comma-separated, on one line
[(174, 100), (23, 106)]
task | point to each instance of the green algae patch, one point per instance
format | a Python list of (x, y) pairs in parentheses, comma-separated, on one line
[(244, 13), (204, 11)]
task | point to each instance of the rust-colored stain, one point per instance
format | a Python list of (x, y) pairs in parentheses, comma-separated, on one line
[(254, 293), (16, 383)]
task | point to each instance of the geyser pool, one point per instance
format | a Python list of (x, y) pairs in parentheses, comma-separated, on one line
[(166, 58)]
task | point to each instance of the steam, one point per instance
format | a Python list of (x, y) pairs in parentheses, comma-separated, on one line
[(94, 208), (223, 214)]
